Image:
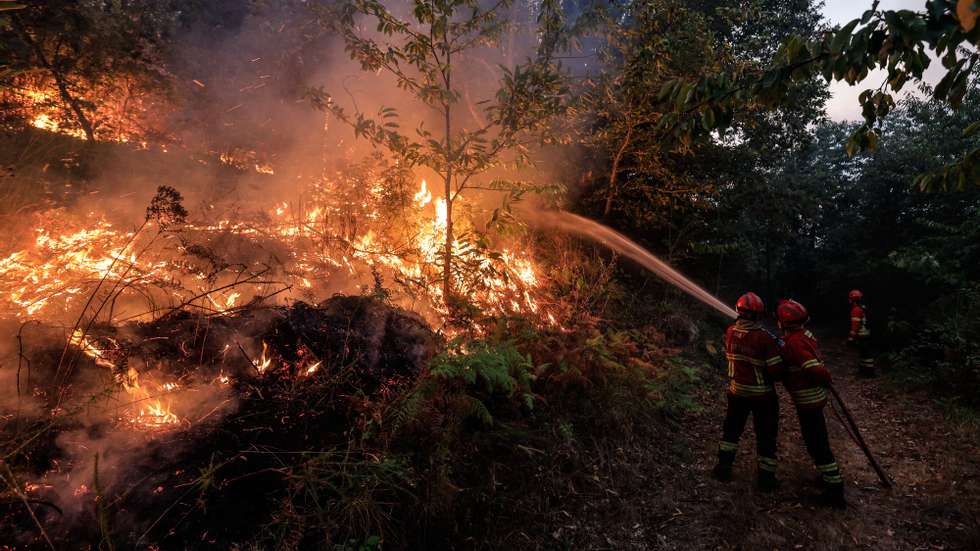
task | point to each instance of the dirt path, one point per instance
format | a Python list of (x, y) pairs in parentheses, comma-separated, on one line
[(934, 504), (668, 501)]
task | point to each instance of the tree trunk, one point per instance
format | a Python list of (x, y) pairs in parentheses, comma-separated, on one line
[(614, 172), (447, 271), (75, 107), (62, 83)]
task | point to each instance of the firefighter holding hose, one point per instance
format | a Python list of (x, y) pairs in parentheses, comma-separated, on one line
[(807, 380), (860, 335), (753, 357)]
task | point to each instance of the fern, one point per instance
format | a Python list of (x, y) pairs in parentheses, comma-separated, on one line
[(466, 381), (474, 408), (499, 368), (407, 409)]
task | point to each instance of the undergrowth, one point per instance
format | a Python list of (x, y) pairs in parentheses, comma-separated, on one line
[(941, 354), (496, 431)]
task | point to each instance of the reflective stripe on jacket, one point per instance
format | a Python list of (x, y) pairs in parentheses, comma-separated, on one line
[(805, 376), (753, 360)]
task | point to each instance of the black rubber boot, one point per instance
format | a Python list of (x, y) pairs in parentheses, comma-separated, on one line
[(723, 470), (767, 481), (833, 496)]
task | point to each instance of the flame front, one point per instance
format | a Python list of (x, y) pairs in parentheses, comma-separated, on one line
[(142, 409), (85, 266), (68, 260)]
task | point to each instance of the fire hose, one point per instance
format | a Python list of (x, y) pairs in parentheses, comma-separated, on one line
[(855, 435), (850, 426)]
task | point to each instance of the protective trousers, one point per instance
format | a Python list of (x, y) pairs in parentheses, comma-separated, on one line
[(765, 419), (866, 360), (814, 429)]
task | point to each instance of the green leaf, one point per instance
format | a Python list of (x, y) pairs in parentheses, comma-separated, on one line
[(842, 37), (942, 89)]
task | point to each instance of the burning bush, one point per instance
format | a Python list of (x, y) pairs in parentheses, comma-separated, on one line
[(178, 387), (318, 424)]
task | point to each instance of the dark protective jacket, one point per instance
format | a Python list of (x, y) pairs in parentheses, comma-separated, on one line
[(753, 360), (804, 375)]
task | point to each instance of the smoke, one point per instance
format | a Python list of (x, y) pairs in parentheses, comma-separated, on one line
[(244, 139), (241, 141), (103, 435), (111, 448)]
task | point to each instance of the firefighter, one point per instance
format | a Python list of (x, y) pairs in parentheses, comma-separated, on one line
[(806, 379), (753, 357), (860, 335)]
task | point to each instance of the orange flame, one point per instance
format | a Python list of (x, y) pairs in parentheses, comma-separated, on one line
[(264, 361)]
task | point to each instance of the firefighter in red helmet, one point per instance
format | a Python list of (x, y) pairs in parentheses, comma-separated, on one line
[(860, 335), (806, 379), (753, 359)]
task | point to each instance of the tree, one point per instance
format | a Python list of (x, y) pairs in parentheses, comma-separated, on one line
[(423, 51), (81, 44), (897, 41), (668, 189), (840, 222), (643, 46)]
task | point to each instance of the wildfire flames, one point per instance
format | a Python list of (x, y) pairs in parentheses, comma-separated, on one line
[(140, 274), (143, 410), (68, 259), (125, 112), (335, 237), (44, 104)]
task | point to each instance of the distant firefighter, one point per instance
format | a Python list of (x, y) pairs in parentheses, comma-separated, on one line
[(860, 335), (807, 379), (753, 356)]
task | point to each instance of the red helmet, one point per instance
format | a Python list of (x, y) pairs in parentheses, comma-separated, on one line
[(750, 304), (856, 294), (790, 312)]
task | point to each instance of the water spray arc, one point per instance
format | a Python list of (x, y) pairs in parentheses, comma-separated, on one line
[(578, 225), (618, 242)]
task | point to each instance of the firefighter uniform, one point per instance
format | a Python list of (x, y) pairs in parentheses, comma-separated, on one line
[(753, 357), (806, 379), (861, 335)]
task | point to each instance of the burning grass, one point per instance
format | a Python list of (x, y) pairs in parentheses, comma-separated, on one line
[(301, 250), (188, 372), (310, 424), (329, 425)]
